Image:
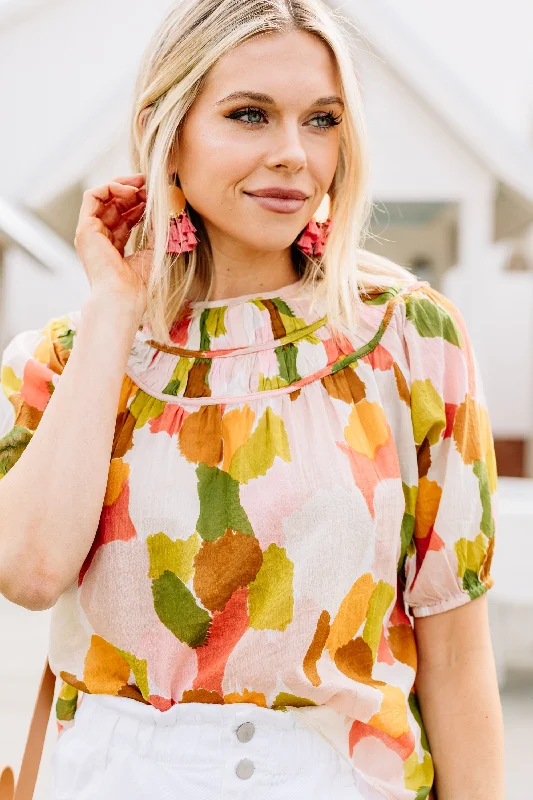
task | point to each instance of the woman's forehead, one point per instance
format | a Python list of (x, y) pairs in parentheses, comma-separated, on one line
[(283, 66)]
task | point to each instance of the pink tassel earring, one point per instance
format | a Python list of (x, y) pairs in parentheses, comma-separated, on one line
[(313, 237), (182, 237)]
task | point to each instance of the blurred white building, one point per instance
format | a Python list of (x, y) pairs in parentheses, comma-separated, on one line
[(449, 105), (448, 91)]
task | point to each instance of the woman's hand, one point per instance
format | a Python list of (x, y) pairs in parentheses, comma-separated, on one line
[(107, 217)]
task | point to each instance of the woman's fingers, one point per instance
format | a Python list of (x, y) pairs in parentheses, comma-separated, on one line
[(134, 215), (122, 231), (137, 180), (96, 200), (111, 213)]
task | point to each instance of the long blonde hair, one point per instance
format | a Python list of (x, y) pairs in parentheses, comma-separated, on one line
[(193, 36)]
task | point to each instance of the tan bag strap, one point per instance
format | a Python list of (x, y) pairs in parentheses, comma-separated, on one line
[(24, 788)]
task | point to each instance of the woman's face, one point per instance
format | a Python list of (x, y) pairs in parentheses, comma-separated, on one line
[(229, 147)]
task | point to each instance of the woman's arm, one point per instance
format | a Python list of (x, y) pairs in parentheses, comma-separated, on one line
[(459, 699), (51, 495), (51, 499)]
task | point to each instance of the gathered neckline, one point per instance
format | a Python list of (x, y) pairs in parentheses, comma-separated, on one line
[(258, 345)]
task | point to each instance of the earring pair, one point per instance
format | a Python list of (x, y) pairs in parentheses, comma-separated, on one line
[(182, 237)]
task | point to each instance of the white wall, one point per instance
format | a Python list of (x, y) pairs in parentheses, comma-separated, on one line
[(413, 154), (485, 45), (415, 157), (66, 71)]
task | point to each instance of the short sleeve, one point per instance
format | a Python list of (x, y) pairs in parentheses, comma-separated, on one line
[(31, 364), (449, 557)]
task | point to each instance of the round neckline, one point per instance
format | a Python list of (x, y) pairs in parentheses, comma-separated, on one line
[(283, 291)]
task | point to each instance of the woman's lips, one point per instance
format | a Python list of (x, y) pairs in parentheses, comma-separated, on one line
[(279, 204)]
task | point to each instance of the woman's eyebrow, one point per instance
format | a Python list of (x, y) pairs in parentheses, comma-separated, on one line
[(259, 97)]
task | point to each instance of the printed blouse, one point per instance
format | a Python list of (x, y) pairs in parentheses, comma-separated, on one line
[(280, 506)]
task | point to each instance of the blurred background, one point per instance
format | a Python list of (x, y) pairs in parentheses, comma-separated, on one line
[(448, 90)]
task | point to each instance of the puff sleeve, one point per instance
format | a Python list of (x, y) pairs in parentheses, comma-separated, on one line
[(31, 364), (449, 557)]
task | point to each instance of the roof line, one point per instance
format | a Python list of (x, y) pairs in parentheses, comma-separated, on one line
[(504, 154), (37, 239)]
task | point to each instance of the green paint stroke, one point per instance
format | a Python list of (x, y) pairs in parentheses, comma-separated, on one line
[(410, 494), (67, 339), (283, 308), (415, 711), (220, 505), (472, 584), (287, 355), (487, 524), (12, 445), (383, 297), (431, 320), (176, 607), (67, 702)]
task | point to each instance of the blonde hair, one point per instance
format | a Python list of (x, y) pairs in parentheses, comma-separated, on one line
[(193, 36)]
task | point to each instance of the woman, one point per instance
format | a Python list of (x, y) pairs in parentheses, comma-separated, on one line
[(281, 442)]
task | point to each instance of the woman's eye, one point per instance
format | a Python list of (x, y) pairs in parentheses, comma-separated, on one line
[(246, 111), (330, 118)]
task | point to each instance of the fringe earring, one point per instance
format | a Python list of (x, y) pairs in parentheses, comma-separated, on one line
[(181, 236), (313, 237)]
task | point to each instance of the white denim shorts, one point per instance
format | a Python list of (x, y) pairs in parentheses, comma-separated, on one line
[(121, 749)]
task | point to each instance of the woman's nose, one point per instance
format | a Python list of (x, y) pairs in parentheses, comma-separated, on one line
[(287, 148)]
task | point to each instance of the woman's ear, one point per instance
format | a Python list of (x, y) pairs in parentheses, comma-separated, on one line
[(143, 117)]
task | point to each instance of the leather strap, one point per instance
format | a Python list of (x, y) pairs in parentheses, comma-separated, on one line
[(29, 770)]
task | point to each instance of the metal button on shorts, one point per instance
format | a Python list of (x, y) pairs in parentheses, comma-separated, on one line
[(245, 768), (245, 731)]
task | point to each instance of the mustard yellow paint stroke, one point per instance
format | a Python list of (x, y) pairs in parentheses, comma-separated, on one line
[(488, 449), (144, 408), (470, 554), (214, 324), (256, 456), (427, 411), (418, 774), (293, 324), (268, 384), (50, 333), (380, 601), (271, 595), (410, 494), (181, 370), (11, 384), (177, 557), (139, 667)]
